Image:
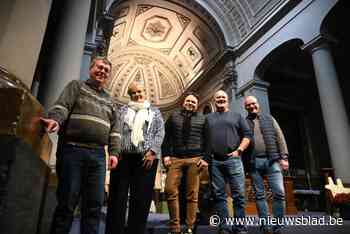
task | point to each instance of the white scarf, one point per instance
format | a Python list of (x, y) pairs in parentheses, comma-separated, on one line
[(136, 117)]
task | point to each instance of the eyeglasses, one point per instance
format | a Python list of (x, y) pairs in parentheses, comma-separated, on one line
[(104, 68)]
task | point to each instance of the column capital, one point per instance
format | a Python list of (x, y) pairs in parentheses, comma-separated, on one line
[(318, 42), (259, 89), (256, 84), (90, 46)]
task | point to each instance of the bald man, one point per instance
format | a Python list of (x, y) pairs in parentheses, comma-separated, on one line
[(269, 156), (227, 135)]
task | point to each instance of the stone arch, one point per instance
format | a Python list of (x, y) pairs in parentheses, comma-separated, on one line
[(273, 54), (339, 10)]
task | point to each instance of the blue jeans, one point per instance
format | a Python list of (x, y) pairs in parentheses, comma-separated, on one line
[(230, 171), (275, 180), (81, 173)]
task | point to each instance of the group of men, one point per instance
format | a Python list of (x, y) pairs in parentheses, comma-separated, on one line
[(87, 120)]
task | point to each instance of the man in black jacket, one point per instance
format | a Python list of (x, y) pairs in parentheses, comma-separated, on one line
[(269, 156), (182, 149)]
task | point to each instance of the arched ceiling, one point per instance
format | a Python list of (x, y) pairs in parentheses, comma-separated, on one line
[(162, 44), (236, 19), (168, 44)]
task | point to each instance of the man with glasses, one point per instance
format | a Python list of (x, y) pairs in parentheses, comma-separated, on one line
[(84, 117)]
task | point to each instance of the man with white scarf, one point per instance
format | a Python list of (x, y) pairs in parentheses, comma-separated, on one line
[(142, 131)]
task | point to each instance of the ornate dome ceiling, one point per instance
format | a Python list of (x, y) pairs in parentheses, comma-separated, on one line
[(163, 45)]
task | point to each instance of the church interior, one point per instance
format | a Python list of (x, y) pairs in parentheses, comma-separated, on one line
[(291, 54)]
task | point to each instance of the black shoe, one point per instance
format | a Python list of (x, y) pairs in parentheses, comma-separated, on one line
[(265, 230), (277, 231), (241, 230), (223, 231), (188, 231)]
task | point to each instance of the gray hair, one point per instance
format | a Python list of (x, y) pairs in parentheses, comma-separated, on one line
[(100, 58)]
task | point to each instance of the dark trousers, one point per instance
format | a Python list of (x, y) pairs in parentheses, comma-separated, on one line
[(5, 169), (130, 174), (7, 159), (81, 173)]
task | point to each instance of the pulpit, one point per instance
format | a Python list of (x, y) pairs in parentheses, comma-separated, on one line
[(25, 150)]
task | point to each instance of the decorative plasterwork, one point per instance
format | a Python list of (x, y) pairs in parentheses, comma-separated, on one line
[(120, 12), (191, 53), (156, 29), (162, 82), (239, 18), (118, 31), (163, 45), (236, 19), (142, 8)]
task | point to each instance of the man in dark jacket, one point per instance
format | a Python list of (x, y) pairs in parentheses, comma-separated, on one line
[(182, 149), (84, 116), (269, 156)]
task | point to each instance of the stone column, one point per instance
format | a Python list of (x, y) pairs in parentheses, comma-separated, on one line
[(333, 108), (89, 50), (259, 89), (67, 55), (68, 52), (235, 104), (229, 85)]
